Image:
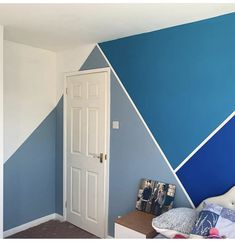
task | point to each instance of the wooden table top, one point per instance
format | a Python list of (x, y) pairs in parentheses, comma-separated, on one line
[(138, 221)]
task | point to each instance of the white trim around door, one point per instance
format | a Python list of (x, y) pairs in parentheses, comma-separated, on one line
[(106, 168)]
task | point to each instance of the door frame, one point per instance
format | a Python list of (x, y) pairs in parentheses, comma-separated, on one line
[(106, 166)]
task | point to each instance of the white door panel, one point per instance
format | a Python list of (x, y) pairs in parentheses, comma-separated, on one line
[(86, 139), (76, 130), (75, 191)]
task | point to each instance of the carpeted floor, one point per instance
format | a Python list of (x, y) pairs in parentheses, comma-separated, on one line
[(54, 229)]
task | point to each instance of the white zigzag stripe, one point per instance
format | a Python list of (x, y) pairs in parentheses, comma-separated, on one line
[(205, 141)]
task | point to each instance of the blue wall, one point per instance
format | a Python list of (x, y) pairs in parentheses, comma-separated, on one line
[(33, 175), (133, 154), (211, 171), (29, 177), (59, 158), (181, 80)]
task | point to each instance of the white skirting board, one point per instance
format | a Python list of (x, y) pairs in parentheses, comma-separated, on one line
[(32, 224), (59, 217)]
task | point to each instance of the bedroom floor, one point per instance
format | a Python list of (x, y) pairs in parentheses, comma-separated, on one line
[(54, 229)]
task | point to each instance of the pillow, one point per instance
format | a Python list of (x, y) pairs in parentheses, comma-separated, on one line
[(215, 216), (176, 221)]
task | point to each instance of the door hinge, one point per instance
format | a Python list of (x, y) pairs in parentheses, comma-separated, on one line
[(66, 91)]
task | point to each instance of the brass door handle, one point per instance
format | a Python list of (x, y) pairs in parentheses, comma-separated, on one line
[(101, 157)]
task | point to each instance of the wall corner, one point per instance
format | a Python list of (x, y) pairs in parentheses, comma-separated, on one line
[(1, 131)]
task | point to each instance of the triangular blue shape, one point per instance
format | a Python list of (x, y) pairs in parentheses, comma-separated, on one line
[(210, 171)]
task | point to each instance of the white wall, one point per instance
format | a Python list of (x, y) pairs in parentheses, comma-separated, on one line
[(33, 84), (29, 92), (1, 132), (69, 61)]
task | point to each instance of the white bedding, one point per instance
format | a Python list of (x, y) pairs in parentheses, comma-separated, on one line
[(226, 200)]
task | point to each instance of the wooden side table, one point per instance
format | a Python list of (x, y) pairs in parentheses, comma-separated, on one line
[(136, 224)]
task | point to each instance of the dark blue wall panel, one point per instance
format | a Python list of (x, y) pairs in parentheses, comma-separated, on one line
[(181, 80), (211, 171)]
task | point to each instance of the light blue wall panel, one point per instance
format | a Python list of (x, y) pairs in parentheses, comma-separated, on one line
[(181, 80), (29, 177), (59, 158), (133, 154), (94, 60)]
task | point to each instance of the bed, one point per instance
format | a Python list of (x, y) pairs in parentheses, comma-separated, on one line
[(226, 200)]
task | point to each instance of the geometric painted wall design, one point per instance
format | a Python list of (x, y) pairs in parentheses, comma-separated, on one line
[(181, 79), (29, 177), (33, 175), (211, 171), (133, 153)]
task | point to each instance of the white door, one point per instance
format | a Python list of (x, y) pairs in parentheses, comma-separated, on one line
[(87, 125)]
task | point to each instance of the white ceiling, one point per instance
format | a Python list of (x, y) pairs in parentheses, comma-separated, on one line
[(62, 26)]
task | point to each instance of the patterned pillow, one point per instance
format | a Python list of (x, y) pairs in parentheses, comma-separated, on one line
[(215, 216), (175, 221)]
